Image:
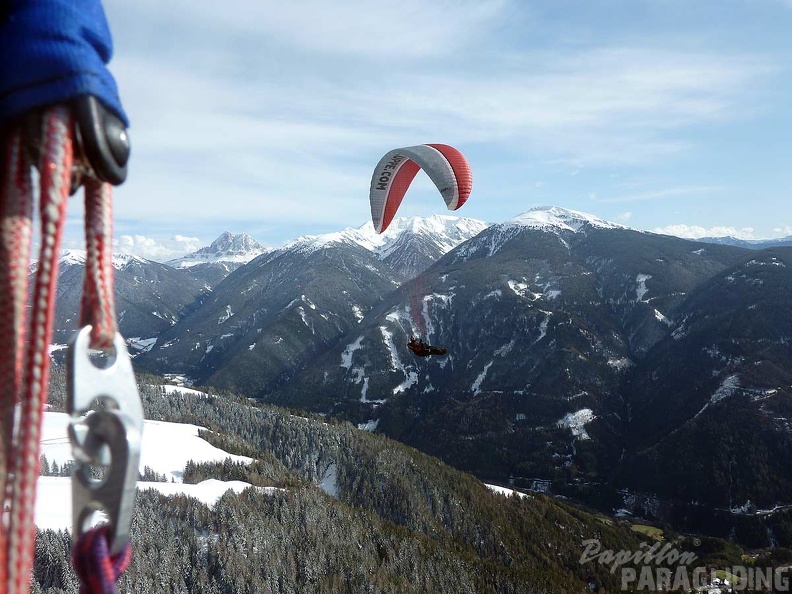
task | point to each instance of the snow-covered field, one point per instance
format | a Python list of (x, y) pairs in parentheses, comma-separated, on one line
[(166, 448), (505, 491)]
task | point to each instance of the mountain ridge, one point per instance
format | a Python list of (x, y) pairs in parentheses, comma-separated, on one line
[(576, 346)]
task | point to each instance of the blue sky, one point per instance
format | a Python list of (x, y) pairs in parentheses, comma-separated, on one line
[(268, 117)]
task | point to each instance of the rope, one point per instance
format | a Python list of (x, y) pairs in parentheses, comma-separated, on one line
[(15, 234), (55, 170), (97, 569), (24, 364), (97, 308)]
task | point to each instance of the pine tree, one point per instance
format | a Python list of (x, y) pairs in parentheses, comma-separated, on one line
[(44, 466)]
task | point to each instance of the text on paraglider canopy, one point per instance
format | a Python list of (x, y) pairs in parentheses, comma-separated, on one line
[(386, 173)]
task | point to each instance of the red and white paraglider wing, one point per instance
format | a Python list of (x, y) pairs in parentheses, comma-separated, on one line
[(445, 166)]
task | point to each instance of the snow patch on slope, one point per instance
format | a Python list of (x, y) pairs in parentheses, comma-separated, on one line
[(661, 318), (54, 497), (620, 364), (329, 483), (521, 288), (506, 348), (358, 313), (346, 356), (166, 449), (369, 425), (543, 327), (301, 311), (728, 387), (410, 376), (476, 387), (641, 290), (428, 300), (141, 345), (166, 446), (182, 390), (226, 315), (505, 492), (577, 421)]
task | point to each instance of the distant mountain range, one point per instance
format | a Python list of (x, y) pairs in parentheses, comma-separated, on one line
[(150, 297), (621, 367), (751, 244)]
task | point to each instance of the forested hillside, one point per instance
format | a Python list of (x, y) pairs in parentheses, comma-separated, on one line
[(386, 518)]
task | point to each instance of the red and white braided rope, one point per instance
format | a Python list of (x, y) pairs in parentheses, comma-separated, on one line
[(98, 298), (23, 380), (55, 172), (15, 236)]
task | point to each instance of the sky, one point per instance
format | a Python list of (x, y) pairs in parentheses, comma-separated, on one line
[(268, 117)]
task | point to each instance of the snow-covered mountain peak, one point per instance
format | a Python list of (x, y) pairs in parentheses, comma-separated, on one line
[(121, 261), (238, 248), (70, 257), (557, 218), (446, 232), (449, 230), (231, 244)]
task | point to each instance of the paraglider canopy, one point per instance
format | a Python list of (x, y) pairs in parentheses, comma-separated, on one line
[(445, 166)]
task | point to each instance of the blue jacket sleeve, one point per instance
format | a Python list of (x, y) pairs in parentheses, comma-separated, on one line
[(52, 51)]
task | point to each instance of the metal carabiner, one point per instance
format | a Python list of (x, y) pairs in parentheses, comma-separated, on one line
[(110, 437)]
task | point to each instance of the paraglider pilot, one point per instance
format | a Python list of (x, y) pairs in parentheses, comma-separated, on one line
[(421, 349)]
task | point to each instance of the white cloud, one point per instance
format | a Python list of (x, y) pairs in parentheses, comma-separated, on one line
[(274, 111), (411, 29), (666, 193), (786, 230), (697, 232), (599, 105), (157, 250), (375, 28), (623, 217)]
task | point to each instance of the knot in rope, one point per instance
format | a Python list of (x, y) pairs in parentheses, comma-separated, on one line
[(97, 569)]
